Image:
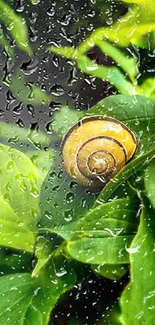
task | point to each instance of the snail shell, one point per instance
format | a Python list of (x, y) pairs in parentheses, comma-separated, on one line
[(96, 148)]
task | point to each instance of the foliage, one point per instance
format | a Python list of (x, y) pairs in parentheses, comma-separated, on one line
[(49, 223), (119, 220), (135, 27)]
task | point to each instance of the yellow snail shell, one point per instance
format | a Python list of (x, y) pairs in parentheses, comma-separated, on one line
[(96, 148)]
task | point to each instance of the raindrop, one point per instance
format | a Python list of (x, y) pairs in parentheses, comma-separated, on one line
[(57, 90), (33, 34), (51, 11), (69, 197), (68, 215), (29, 67), (17, 109)]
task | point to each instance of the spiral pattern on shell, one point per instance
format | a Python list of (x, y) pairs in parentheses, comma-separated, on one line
[(96, 148)]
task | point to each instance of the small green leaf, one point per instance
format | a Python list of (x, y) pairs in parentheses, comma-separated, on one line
[(67, 52), (128, 64), (103, 235), (16, 26), (27, 93), (138, 298), (64, 119)]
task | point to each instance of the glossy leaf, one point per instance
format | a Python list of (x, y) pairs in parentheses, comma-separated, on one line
[(136, 112), (19, 196), (53, 281), (16, 26), (138, 298), (26, 300), (16, 294), (103, 235)]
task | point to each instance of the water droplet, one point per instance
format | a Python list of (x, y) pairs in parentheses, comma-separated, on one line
[(57, 90)]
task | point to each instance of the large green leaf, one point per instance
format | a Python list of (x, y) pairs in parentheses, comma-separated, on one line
[(20, 184), (56, 278), (16, 294), (103, 235), (138, 299), (26, 300)]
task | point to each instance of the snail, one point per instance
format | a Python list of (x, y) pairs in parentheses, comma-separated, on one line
[(96, 148)]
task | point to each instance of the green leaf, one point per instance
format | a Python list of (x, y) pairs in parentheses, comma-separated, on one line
[(55, 279), (111, 74), (138, 298), (103, 235), (128, 29), (16, 26), (150, 181), (16, 294), (128, 64), (20, 183), (62, 200), (27, 93), (65, 119), (26, 300)]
